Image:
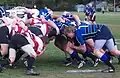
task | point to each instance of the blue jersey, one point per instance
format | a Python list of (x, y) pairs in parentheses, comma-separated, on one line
[(45, 13), (3, 10), (86, 31), (60, 25), (91, 11), (69, 16), (86, 10)]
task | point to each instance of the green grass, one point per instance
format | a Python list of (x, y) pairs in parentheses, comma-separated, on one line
[(50, 63)]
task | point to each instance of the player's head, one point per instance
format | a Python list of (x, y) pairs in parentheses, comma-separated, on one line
[(69, 31), (66, 14), (12, 14), (90, 5), (35, 13)]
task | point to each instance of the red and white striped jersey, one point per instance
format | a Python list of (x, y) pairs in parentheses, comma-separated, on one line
[(35, 41), (44, 27)]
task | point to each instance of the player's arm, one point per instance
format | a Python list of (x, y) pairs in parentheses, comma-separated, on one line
[(94, 14), (54, 16), (81, 41), (52, 24), (77, 19), (28, 21)]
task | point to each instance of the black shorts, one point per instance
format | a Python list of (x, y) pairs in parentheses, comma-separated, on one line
[(52, 33), (104, 33), (17, 41), (94, 19), (4, 33), (61, 41), (35, 30), (86, 14)]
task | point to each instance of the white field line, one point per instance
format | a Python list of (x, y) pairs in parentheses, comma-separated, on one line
[(83, 71)]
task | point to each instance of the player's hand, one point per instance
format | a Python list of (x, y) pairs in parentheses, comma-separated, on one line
[(71, 45), (57, 31)]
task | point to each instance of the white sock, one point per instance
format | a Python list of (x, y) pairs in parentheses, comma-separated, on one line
[(12, 55)]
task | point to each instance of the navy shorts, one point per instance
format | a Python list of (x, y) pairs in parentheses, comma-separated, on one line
[(52, 33), (94, 19), (104, 33), (60, 41)]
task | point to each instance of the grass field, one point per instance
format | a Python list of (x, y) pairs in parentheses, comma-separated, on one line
[(50, 63)]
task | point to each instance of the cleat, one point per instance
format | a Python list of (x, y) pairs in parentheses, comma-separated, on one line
[(68, 62), (12, 66), (96, 62), (108, 70), (32, 72), (81, 64)]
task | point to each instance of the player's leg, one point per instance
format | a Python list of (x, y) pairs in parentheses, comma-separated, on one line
[(103, 56), (60, 42), (22, 43), (74, 54), (101, 39), (89, 52), (4, 40)]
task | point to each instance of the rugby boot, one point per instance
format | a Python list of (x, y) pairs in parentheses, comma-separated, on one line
[(32, 72), (108, 70)]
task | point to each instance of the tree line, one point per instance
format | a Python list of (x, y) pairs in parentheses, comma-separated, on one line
[(54, 4)]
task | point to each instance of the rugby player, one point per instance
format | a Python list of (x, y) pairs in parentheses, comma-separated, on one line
[(102, 36)]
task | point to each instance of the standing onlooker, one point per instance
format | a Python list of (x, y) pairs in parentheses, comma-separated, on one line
[(103, 10)]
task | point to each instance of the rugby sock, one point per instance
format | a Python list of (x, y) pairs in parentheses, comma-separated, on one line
[(18, 55), (75, 55), (90, 55), (6, 56), (118, 59), (0, 54), (5, 62), (108, 55), (30, 62), (105, 59), (12, 55)]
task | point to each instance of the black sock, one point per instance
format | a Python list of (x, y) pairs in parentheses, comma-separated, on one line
[(18, 55), (5, 62), (6, 56), (90, 55), (75, 55), (0, 54), (30, 62)]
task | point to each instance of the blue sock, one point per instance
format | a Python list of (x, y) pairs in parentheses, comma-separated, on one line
[(75, 55), (105, 59), (108, 55)]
